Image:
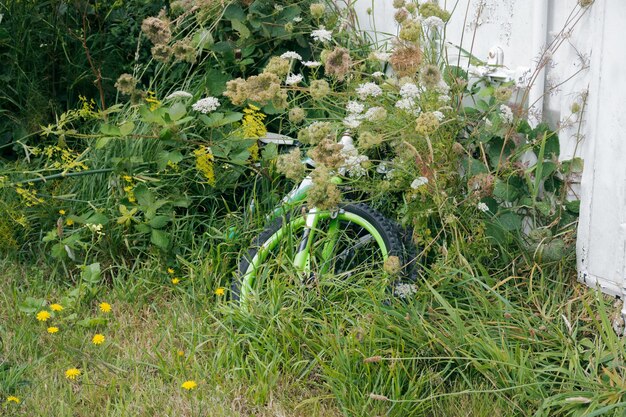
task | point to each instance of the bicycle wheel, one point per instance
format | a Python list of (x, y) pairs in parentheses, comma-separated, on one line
[(354, 241)]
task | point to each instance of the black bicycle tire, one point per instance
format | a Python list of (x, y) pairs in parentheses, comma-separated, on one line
[(390, 232)]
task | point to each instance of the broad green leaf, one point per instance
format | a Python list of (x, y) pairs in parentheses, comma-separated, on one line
[(110, 130), (160, 238), (158, 222), (203, 39), (92, 322), (145, 196), (177, 111), (510, 221), (241, 28), (126, 128), (91, 273), (31, 305)]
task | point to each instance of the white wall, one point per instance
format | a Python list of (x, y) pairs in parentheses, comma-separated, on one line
[(587, 68)]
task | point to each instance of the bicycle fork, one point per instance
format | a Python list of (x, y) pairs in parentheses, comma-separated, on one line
[(303, 260)]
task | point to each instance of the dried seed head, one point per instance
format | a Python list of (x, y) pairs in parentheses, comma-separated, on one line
[(373, 359), (157, 30), (378, 397), (338, 63), (406, 60), (126, 84)]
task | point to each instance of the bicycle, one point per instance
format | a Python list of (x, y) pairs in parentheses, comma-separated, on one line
[(350, 239)]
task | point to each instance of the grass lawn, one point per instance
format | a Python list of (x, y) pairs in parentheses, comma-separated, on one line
[(464, 346)]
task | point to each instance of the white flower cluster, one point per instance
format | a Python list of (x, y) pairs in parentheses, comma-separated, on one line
[(482, 207), (506, 113), (291, 55), (322, 35), (404, 290), (293, 79), (418, 182), (408, 105), (353, 162), (410, 90), (376, 114), (378, 74), (433, 22), (439, 115), (179, 94), (382, 56), (311, 64), (368, 90), (206, 105), (354, 107)]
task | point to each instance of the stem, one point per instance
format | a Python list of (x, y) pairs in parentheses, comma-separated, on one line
[(96, 71), (64, 175)]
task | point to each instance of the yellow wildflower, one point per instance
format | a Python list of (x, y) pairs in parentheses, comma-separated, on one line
[(180, 353), (189, 385), (98, 339), (72, 373), (53, 329), (69, 222), (13, 399), (56, 307), (175, 281), (62, 212), (220, 291), (170, 271), (43, 315), (105, 307), (204, 163), (152, 101)]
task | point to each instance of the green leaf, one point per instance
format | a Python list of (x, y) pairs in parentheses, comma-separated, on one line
[(126, 128), (510, 221), (110, 130), (165, 157), (241, 28), (91, 273), (203, 39), (159, 221), (573, 206), (234, 12), (177, 111), (505, 191), (160, 239), (92, 322), (31, 305), (102, 142), (473, 167), (145, 197)]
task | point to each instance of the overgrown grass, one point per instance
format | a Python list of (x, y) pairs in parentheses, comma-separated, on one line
[(464, 345)]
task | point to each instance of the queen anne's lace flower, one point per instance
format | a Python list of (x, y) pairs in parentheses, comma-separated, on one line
[(352, 121), (179, 94), (291, 55), (311, 64), (376, 114), (439, 115), (404, 290), (378, 74), (506, 113), (418, 182), (368, 90), (206, 105), (354, 107), (482, 207), (293, 79), (433, 22), (322, 35), (382, 56), (408, 105), (409, 91)]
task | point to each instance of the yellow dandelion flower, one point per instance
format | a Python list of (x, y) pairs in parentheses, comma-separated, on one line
[(189, 385), (180, 353), (13, 399), (170, 271), (175, 281), (62, 212), (220, 291), (56, 307), (72, 373), (69, 222), (43, 315), (53, 329), (105, 307), (98, 339)]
